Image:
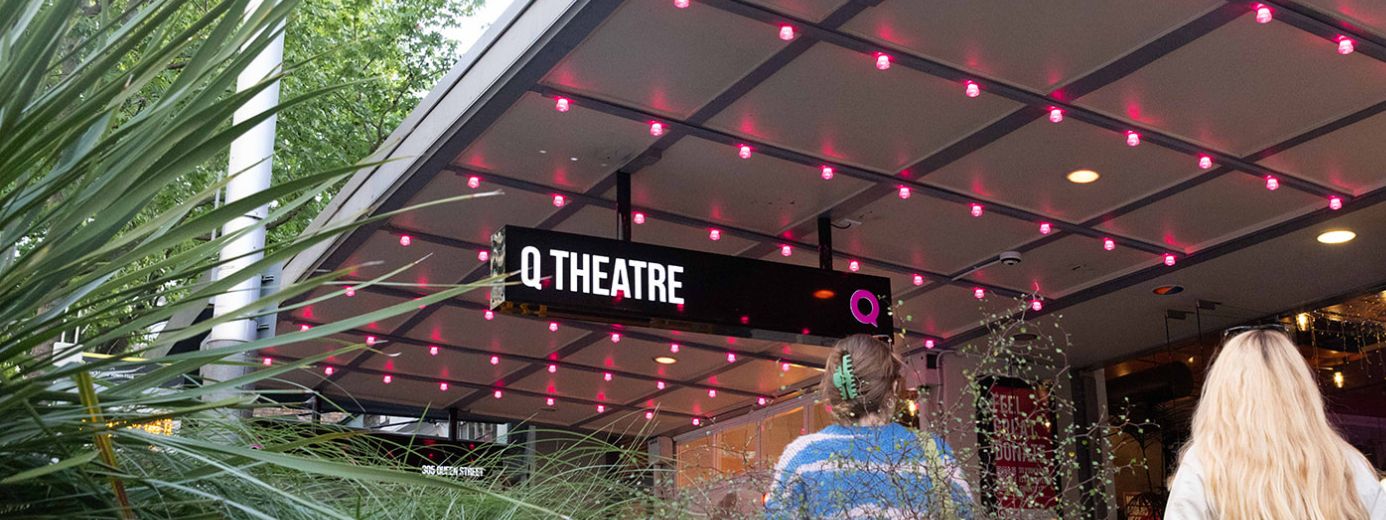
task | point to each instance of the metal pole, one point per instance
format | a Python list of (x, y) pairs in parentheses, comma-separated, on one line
[(623, 216), (452, 425), (825, 242), (250, 164)]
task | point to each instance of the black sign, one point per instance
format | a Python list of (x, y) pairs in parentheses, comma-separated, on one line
[(596, 279)]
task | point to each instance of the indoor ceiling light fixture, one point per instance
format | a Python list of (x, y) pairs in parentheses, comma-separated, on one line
[(1272, 183), (972, 89), (561, 104), (1335, 203), (1336, 236), (1056, 115), (786, 32), (1083, 176), (656, 128), (1167, 290), (882, 61), (665, 360), (1205, 162), (1132, 138), (1345, 45), (1263, 13), (826, 172), (1046, 228)]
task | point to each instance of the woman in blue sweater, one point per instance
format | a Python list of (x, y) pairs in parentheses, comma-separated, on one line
[(867, 465)]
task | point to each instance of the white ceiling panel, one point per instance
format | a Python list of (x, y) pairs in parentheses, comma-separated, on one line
[(1349, 159)]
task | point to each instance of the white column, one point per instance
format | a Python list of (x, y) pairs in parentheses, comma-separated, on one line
[(250, 163)]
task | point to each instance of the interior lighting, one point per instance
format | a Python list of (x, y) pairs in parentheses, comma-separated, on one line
[(760, 401), (1337, 379), (483, 255), (681, 4), (553, 326), (1169, 259), (854, 266), (904, 192), (1108, 244), (638, 217), (559, 201), (1046, 228), (1036, 305), (785, 250), (267, 361), (489, 315), (786, 32), (1345, 45), (659, 385), (350, 291), (826, 172), (1263, 14), (495, 360), (548, 401), (1337, 236), (976, 209), (649, 415), (1056, 115), (615, 337), (784, 367), (443, 386), (930, 344), (1302, 321), (972, 89), (1205, 162), (328, 370), (405, 240), (743, 151), (674, 348), (656, 128), (553, 368), (1132, 138), (731, 357), (714, 235), (370, 340), (1083, 176), (601, 408), (473, 182), (433, 350), (1335, 203), (979, 293), (304, 327), (712, 392), (665, 360), (918, 280), (882, 61), (606, 376), (1272, 183), (697, 421), (561, 104), (387, 379)]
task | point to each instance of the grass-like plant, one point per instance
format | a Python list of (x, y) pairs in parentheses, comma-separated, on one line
[(100, 112)]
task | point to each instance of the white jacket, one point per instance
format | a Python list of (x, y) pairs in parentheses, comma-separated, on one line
[(1188, 499)]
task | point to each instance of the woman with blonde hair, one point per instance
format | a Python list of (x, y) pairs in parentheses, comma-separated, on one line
[(1262, 447)]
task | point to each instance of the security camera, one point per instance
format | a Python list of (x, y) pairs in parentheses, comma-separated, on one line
[(1010, 257)]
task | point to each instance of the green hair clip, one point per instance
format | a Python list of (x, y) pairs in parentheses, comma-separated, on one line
[(843, 379)]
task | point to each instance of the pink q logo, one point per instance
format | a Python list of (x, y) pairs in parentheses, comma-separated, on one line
[(868, 318)]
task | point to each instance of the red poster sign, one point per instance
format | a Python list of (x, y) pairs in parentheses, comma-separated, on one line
[(1020, 445)]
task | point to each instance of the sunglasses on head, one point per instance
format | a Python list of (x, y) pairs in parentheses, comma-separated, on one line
[(1278, 327)]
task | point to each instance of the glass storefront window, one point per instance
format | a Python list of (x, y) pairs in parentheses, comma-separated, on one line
[(694, 461), (736, 448), (780, 430)]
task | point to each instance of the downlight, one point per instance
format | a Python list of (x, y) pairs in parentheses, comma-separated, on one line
[(1336, 236), (1167, 290)]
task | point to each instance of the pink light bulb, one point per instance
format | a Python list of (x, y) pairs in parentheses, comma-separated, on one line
[(370, 340), (1056, 115), (1036, 305), (681, 4), (495, 360), (1169, 259), (561, 104), (559, 201), (606, 376), (929, 344), (483, 255), (405, 240), (1046, 228), (714, 234), (638, 217), (918, 280), (304, 327), (267, 361), (976, 209), (854, 266), (497, 394), (1345, 45), (979, 293), (473, 182), (433, 350), (1205, 162), (760, 401), (904, 192), (548, 401), (1108, 244), (674, 348), (743, 151), (659, 385), (649, 415), (1272, 183), (827, 173), (731, 357), (882, 61), (489, 315), (387, 379), (601, 408), (697, 421), (972, 89), (443, 386), (328, 370), (656, 128), (785, 250), (784, 367), (1335, 203), (615, 337), (350, 291), (786, 32), (1132, 138), (1263, 14), (711, 392), (553, 326)]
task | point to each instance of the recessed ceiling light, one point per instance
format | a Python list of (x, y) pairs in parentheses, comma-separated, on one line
[(1166, 290), (665, 360), (1082, 176), (1336, 236)]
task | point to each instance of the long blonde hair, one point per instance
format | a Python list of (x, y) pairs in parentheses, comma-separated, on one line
[(1263, 438)]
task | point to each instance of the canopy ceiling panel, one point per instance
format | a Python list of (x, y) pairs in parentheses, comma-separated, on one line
[(931, 234), (832, 103), (1193, 76), (1039, 45), (665, 60), (1350, 159), (1220, 208), (571, 150), (1066, 264), (1029, 168), (708, 180), (316, 347), (1245, 86)]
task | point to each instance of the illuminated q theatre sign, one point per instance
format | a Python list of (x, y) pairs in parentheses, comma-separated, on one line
[(561, 275)]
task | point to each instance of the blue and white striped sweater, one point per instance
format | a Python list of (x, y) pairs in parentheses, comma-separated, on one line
[(868, 472)]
